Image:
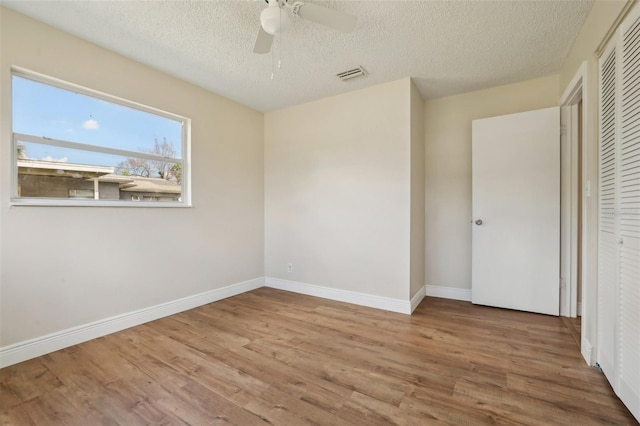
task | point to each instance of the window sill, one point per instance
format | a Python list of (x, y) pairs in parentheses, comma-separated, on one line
[(50, 202)]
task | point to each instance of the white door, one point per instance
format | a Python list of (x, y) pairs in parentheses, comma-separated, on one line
[(516, 211)]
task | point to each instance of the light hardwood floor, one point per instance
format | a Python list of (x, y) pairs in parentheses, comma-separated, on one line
[(274, 357), (573, 326)]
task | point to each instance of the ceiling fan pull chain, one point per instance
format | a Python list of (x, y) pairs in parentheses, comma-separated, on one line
[(272, 59), (280, 41), (279, 51)]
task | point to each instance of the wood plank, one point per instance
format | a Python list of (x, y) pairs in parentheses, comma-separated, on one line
[(273, 357)]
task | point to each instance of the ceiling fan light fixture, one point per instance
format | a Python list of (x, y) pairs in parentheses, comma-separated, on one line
[(273, 20)]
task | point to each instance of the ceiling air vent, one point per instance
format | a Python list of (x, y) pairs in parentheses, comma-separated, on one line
[(350, 74)]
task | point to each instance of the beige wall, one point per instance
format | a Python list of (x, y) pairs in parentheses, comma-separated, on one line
[(337, 191), (600, 21), (448, 170), (53, 270), (417, 191)]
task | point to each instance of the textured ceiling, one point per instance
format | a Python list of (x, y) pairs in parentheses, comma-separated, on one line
[(448, 47)]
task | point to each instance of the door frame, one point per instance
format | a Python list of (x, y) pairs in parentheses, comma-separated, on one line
[(569, 188), (575, 92)]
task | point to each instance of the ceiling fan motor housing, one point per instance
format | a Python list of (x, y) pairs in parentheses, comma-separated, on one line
[(273, 19)]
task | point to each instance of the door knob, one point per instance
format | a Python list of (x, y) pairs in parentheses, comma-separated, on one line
[(479, 222)]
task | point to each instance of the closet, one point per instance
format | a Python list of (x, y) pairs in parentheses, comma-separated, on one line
[(619, 212)]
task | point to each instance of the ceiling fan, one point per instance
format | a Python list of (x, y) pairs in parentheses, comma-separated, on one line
[(274, 20)]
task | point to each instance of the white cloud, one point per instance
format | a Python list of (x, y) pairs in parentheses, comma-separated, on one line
[(55, 160), (90, 124)]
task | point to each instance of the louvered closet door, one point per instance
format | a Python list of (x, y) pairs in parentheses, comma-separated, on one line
[(619, 220), (608, 245), (629, 217)]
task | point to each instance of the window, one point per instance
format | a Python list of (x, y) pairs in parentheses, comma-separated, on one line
[(76, 146), (81, 193)]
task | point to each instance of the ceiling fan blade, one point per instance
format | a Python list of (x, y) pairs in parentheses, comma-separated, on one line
[(263, 42), (329, 17)]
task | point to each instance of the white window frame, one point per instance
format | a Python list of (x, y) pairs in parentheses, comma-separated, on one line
[(185, 147)]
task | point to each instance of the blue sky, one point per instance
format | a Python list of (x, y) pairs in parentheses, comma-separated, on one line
[(43, 110)]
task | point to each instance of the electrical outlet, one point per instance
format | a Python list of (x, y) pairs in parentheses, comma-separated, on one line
[(290, 267)]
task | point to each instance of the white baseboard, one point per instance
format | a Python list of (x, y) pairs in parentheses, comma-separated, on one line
[(587, 351), (448, 292), (25, 350), (362, 299), (417, 298)]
